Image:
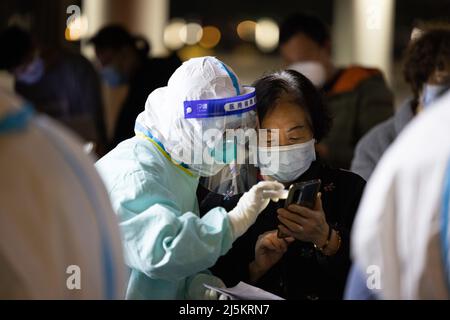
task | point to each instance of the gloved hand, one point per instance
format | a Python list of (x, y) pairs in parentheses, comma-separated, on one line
[(211, 294), (252, 203), (198, 291)]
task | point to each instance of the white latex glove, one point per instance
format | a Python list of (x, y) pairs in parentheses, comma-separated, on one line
[(252, 203), (214, 295), (198, 291)]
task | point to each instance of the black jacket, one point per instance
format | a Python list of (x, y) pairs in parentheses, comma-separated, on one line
[(152, 74), (303, 272)]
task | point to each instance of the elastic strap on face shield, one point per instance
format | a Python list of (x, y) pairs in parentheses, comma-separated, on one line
[(143, 133), (233, 78), (195, 109)]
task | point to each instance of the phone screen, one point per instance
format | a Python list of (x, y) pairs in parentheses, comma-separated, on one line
[(303, 194)]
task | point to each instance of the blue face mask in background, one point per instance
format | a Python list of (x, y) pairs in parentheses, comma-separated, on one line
[(431, 92), (32, 73), (112, 77)]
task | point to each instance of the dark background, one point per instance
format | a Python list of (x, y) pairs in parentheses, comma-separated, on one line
[(48, 17)]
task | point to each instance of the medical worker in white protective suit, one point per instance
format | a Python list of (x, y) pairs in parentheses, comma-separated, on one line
[(401, 235), (152, 181), (59, 237)]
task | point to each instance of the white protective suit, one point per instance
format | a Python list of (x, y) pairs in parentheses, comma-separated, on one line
[(59, 237), (401, 226)]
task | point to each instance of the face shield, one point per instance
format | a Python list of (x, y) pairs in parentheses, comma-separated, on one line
[(205, 120), (225, 130)]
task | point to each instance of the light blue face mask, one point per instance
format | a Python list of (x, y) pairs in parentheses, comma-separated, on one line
[(227, 154), (33, 72), (112, 77), (432, 92)]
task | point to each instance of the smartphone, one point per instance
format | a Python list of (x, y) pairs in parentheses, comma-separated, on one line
[(303, 194)]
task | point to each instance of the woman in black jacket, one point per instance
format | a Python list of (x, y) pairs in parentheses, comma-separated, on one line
[(313, 261)]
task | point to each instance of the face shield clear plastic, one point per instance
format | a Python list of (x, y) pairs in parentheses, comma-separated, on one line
[(223, 131)]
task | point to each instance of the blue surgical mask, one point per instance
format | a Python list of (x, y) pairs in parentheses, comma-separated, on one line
[(33, 72), (112, 77), (432, 92)]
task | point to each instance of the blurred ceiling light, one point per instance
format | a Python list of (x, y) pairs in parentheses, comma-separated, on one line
[(171, 38), (211, 37), (194, 51), (191, 33), (246, 30), (77, 29), (267, 34)]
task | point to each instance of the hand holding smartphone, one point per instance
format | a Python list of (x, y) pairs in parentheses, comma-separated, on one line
[(303, 194)]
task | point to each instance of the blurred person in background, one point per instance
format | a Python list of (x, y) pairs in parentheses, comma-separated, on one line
[(59, 237), (62, 85), (124, 61), (427, 71), (357, 97), (401, 236)]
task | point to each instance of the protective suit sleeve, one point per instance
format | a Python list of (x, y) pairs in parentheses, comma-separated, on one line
[(159, 239)]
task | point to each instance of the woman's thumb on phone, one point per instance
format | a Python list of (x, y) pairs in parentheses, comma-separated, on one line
[(318, 205)]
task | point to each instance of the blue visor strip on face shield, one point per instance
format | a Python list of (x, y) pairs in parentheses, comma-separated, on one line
[(220, 107)]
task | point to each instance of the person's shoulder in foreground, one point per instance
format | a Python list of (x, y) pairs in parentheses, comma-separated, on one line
[(55, 194), (403, 200)]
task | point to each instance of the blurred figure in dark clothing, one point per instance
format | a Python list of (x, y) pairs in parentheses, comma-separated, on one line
[(62, 85), (357, 96), (427, 71), (124, 60)]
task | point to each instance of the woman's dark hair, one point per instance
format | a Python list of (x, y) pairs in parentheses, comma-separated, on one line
[(116, 37), (301, 91), (309, 25), (430, 52)]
